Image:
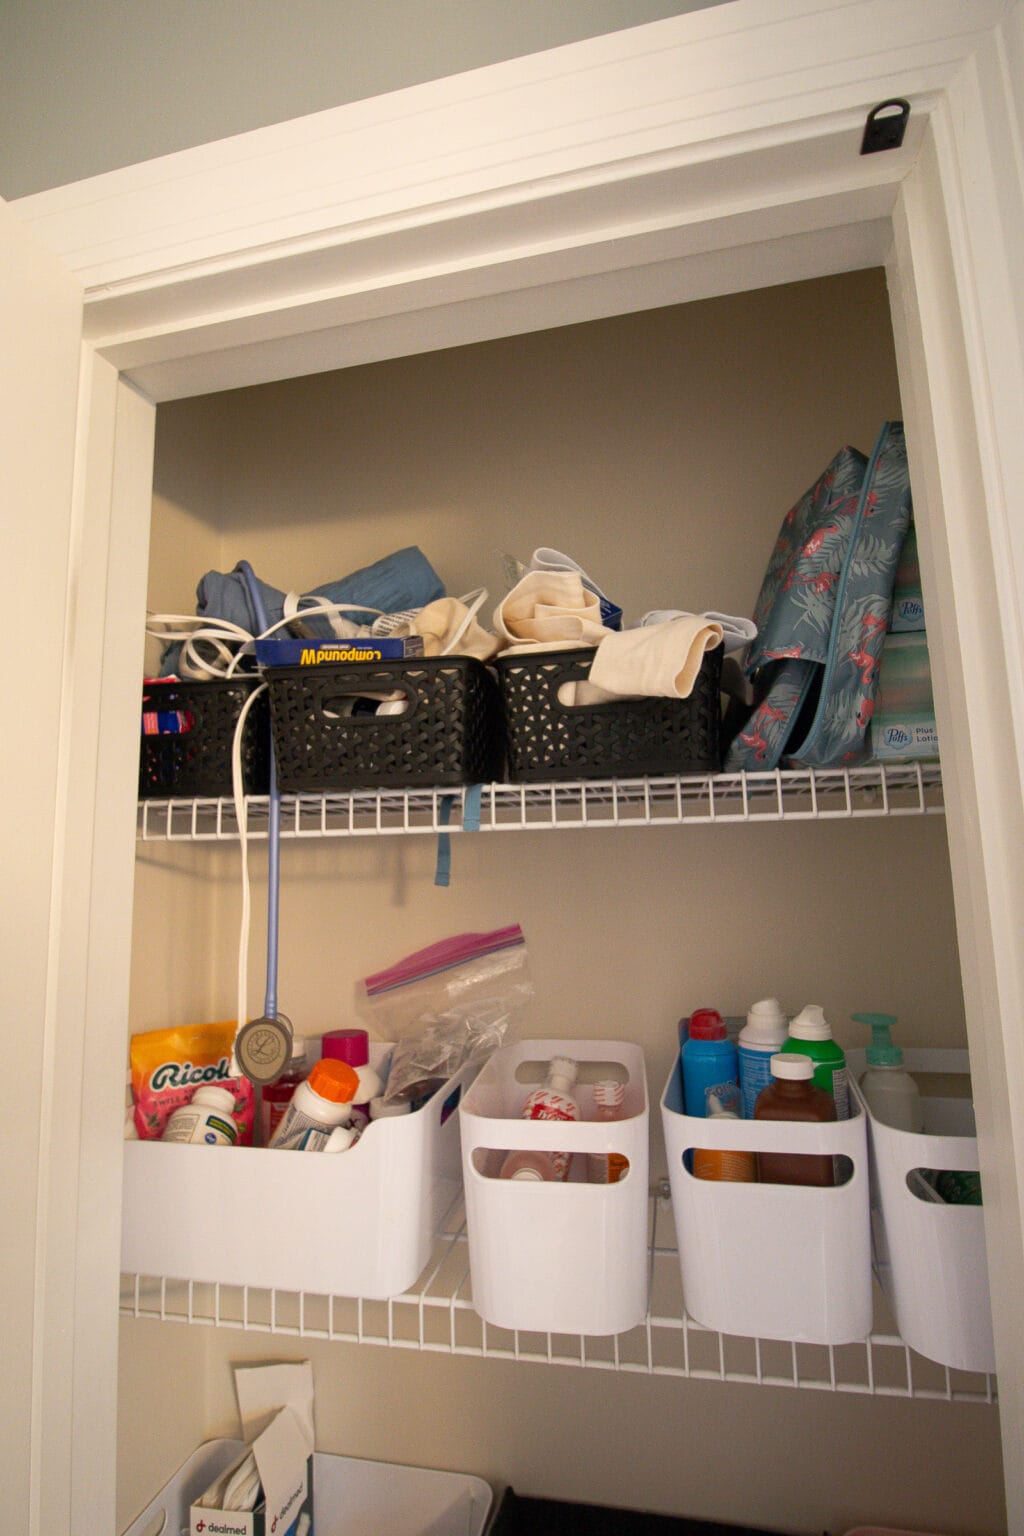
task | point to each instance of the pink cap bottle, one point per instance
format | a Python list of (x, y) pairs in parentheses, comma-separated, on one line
[(351, 1046)]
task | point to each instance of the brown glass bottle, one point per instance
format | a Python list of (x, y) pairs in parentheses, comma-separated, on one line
[(791, 1095)]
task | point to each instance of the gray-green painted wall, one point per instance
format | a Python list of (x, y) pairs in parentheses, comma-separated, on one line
[(91, 85)]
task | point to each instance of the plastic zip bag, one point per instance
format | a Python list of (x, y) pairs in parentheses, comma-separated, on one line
[(453, 1002)]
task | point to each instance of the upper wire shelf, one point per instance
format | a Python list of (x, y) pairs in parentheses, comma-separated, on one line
[(437, 1316), (796, 794)]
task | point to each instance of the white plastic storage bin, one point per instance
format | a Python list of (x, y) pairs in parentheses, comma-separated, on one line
[(771, 1261), (355, 1223), (930, 1258), (351, 1497), (557, 1257)]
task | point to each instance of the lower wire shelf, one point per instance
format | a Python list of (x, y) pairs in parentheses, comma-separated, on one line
[(437, 1316)]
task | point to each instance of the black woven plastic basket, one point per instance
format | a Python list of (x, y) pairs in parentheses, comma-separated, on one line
[(624, 738), (450, 732), (195, 759)]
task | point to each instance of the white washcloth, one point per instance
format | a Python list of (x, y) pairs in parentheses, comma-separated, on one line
[(548, 608), (736, 632), (658, 661)]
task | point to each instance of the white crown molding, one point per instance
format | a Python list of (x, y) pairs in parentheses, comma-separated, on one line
[(587, 114), (593, 179)]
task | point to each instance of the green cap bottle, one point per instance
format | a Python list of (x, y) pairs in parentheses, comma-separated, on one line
[(810, 1034)]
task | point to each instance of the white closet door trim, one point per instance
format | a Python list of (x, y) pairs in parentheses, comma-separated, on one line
[(114, 487), (962, 379), (40, 318), (198, 260)]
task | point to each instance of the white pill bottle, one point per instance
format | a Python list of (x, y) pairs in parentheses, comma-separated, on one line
[(207, 1119)]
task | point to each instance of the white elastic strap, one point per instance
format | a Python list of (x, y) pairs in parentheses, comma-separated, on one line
[(242, 819), (473, 602), (228, 641), (177, 626), (343, 629), (291, 608), (192, 664)]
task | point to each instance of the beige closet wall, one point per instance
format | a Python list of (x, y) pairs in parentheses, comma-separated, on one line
[(661, 450)]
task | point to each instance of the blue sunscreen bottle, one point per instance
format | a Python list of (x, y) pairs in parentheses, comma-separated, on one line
[(709, 1060)]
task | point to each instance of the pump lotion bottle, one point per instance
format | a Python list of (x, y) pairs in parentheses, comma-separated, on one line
[(891, 1093)]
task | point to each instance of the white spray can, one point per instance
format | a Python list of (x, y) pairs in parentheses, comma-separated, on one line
[(763, 1034)]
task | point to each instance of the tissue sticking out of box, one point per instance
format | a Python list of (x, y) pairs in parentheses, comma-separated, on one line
[(275, 1403), (269, 1488)]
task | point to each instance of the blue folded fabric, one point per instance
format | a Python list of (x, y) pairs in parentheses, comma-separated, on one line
[(404, 579)]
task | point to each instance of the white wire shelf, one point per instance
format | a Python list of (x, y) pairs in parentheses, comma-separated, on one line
[(437, 1317), (840, 794)]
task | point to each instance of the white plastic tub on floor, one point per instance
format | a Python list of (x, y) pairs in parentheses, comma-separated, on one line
[(350, 1497)]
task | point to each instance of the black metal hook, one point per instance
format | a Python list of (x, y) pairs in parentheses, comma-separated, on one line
[(885, 126)]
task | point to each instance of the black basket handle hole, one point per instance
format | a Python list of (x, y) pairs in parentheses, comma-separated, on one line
[(365, 706)]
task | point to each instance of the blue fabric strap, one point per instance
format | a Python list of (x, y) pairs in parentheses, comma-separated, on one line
[(443, 868), (471, 807), (470, 823)]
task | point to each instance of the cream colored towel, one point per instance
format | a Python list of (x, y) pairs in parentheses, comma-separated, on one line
[(549, 609), (439, 623), (659, 661)]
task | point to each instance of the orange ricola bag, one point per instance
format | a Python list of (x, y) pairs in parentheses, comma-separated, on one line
[(168, 1065)]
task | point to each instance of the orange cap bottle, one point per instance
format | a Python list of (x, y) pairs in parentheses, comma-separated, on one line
[(323, 1101)]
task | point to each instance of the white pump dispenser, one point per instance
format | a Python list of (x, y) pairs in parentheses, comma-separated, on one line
[(892, 1095)]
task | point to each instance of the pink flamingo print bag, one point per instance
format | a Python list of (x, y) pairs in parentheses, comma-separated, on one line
[(822, 615)]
